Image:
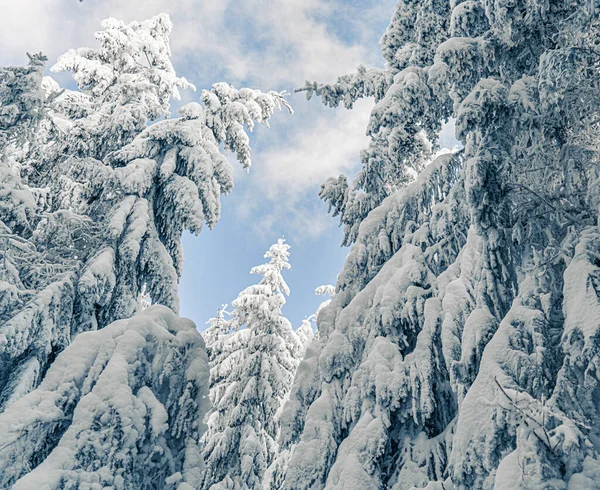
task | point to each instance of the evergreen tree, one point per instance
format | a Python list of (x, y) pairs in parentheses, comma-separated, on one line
[(250, 385), (460, 349), (115, 193)]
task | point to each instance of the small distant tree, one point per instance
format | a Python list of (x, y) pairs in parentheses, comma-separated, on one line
[(243, 424)]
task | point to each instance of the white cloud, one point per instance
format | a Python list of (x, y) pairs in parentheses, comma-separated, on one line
[(261, 41), (285, 218), (30, 26), (316, 150), (300, 224), (280, 193)]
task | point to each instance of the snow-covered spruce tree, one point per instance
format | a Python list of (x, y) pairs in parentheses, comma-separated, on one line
[(250, 383), (117, 192), (460, 351), (120, 408)]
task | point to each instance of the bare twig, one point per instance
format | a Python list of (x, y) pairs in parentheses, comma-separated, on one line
[(526, 416)]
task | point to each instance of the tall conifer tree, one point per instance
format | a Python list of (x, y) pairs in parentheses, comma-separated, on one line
[(459, 350)]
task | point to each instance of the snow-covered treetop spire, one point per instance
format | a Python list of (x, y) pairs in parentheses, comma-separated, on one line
[(271, 271), (266, 298)]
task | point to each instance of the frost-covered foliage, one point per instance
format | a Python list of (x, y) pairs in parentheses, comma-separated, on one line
[(461, 348), (94, 199), (253, 359), (126, 82), (120, 408)]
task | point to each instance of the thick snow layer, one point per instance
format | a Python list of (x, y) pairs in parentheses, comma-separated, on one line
[(121, 407)]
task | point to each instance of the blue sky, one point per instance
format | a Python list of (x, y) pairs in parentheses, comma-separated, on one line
[(265, 44)]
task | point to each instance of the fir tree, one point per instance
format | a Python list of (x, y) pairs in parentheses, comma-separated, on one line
[(115, 194), (249, 392), (458, 352)]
